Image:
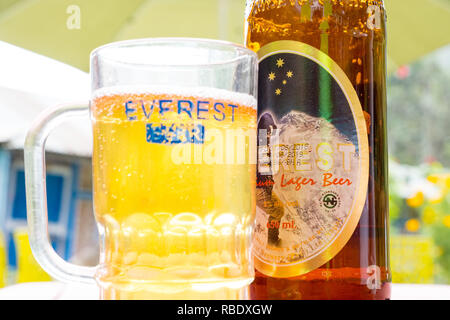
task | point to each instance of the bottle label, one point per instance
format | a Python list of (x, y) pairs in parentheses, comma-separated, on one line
[(313, 160)]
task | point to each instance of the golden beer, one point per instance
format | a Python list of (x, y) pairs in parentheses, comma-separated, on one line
[(174, 169), (174, 191)]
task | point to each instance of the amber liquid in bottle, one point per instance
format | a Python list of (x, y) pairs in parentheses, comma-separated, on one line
[(352, 33)]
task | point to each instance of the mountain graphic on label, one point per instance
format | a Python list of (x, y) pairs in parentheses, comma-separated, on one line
[(314, 173)]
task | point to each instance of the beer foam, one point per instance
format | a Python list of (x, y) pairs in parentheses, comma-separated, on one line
[(197, 92)]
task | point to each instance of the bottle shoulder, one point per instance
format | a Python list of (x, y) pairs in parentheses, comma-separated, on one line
[(299, 19), (260, 6), (304, 12)]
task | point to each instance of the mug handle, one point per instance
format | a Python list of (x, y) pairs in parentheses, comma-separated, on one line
[(36, 195)]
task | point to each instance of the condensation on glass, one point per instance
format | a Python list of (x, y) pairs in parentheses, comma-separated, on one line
[(174, 122)]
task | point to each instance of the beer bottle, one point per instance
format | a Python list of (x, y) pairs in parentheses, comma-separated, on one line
[(321, 229)]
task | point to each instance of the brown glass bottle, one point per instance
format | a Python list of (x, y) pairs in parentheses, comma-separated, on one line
[(352, 34)]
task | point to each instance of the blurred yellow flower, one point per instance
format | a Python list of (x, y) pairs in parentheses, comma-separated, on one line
[(429, 215), (433, 178), (416, 200), (3, 265), (447, 221), (441, 179), (412, 258), (412, 225)]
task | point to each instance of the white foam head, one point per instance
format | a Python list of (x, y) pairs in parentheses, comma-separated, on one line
[(198, 92)]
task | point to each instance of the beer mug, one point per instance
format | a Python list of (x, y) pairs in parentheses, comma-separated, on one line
[(174, 170)]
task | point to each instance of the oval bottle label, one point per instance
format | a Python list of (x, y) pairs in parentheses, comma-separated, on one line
[(313, 160)]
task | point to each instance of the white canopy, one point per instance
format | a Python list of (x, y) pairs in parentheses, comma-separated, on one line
[(30, 83)]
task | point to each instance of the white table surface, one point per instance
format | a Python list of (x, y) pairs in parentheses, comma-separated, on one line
[(61, 291)]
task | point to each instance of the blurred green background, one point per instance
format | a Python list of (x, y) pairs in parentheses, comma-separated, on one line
[(419, 144), (68, 30)]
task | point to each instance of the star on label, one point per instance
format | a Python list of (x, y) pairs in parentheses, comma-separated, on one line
[(289, 74), (280, 63), (272, 76), (278, 92)]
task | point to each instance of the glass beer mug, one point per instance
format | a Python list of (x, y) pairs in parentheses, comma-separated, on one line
[(174, 160)]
